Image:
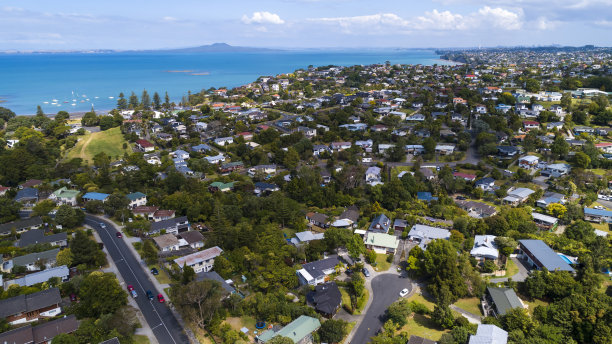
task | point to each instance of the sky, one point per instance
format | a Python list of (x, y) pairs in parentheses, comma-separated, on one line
[(151, 24)]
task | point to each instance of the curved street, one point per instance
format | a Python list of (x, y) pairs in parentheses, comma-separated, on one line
[(385, 289)]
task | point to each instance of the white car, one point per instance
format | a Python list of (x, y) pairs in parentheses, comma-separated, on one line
[(404, 292)]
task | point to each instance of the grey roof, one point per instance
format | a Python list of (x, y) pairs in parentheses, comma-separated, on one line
[(489, 334), (192, 236), (5, 228), (381, 220), (318, 217), (308, 236), (165, 224), (326, 297), (504, 299), (46, 256), (49, 330), (39, 277), (351, 213), (545, 256), (37, 236), (419, 340), (212, 275), (28, 303), (316, 268), (26, 193)]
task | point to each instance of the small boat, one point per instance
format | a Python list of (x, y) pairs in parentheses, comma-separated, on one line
[(55, 100), (65, 102), (87, 99), (74, 100), (82, 101), (83, 95), (45, 102), (96, 97), (73, 104), (111, 97)]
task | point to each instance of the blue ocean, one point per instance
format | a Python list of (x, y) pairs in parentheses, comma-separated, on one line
[(75, 82)]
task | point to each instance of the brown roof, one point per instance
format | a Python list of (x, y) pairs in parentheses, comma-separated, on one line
[(31, 182), (164, 213), (18, 335), (166, 240), (320, 218), (192, 236), (145, 209), (48, 330)]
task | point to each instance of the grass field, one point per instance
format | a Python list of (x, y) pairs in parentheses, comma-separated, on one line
[(140, 339), (532, 305), (471, 305), (423, 326), (110, 142), (420, 299), (162, 277), (601, 226), (381, 263), (245, 321), (598, 171)]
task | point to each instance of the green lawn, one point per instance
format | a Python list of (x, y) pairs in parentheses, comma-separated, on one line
[(162, 277), (110, 142), (397, 169), (423, 326), (420, 299), (533, 304), (140, 339), (598, 171), (381, 263), (471, 305), (601, 226)]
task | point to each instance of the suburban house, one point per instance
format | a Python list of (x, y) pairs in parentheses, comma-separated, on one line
[(162, 214), (33, 261), (317, 219), (219, 158), (200, 261), (597, 215), (32, 307), (544, 221), (40, 334), (166, 242), (222, 141), (477, 209), (144, 146), (426, 196), (308, 132), (265, 170), (27, 196), (556, 170), (305, 237), (484, 248), (180, 154), (381, 242), (62, 272), (605, 147), (486, 183), (219, 186), (212, 275), (348, 218), (539, 255), (507, 152), (21, 226), (373, 176), (399, 225), (445, 149), (340, 146), (262, 188), (95, 196), (231, 167), (320, 149), (498, 301), (489, 334), (37, 236), (380, 224), (517, 196), (64, 196), (465, 176), (314, 273), (173, 225), (136, 199), (529, 125), (193, 239), (326, 299), (549, 198), (299, 331), (528, 161), (201, 148), (423, 234), (415, 149)]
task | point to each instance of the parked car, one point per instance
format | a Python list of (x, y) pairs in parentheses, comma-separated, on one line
[(154, 271), (461, 198), (134, 293), (160, 298), (73, 297), (130, 287), (119, 235), (149, 295), (366, 273), (102, 225), (404, 292)]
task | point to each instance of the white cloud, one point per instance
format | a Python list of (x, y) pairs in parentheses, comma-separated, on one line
[(263, 18), (501, 18), (604, 23), (445, 20), (169, 19)]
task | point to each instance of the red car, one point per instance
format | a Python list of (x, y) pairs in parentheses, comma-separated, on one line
[(160, 298), (130, 287), (119, 235)]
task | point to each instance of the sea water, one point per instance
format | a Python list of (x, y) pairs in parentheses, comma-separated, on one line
[(76, 82)]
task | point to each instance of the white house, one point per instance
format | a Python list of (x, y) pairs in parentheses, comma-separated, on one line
[(200, 261), (136, 199), (381, 242), (484, 248), (424, 234), (64, 196), (215, 159), (529, 161), (314, 273), (372, 176), (222, 141), (445, 149), (167, 242)]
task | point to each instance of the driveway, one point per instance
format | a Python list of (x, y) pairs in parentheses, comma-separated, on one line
[(385, 291)]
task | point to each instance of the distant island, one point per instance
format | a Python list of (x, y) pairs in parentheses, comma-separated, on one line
[(211, 48)]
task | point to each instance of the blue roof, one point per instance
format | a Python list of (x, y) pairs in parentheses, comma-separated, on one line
[(597, 212), (96, 196), (487, 180), (545, 256), (26, 193), (425, 196), (383, 221)]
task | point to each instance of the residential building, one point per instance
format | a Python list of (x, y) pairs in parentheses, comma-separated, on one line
[(556, 170), (173, 225), (231, 167), (21, 226), (222, 141), (380, 224), (399, 225), (40, 334), (145, 211), (136, 199), (37, 236), (193, 239), (200, 261), (549, 198), (144, 146), (381, 242), (222, 187), (33, 261), (326, 299), (538, 255), (262, 188), (465, 176), (373, 176), (517, 196), (65, 196), (95, 196), (299, 331), (507, 152), (161, 215), (348, 218), (27, 196), (217, 159), (340, 146), (317, 219), (415, 149), (424, 234), (597, 215), (484, 248), (61, 272), (314, 273), (528, 161), (477, 209), (489, 334), (306, 237), (486, 183), (212, 275), (22, 309), (426, 196), (166, 242), (544, 221), (445, 149), (498, 301)]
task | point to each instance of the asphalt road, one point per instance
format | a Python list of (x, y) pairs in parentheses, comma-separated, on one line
[(163, 323), (385, 289)]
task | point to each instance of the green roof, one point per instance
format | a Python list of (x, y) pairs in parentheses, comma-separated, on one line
[(221, 186), (296, 330), (504, 299), (135, 195), (382, 240), (65, 193)]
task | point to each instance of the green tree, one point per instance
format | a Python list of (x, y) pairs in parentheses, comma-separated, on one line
[(188, 274), (560, 147), (106, 122), (8, 209), (280, 340), (85, 250), (532, 85), (133, 100), (156, 101), (39, 111), (145, 99), (292, 158), (333, 331), (68, 216), (43, 208), (121, 102), (100, 293), (197, 301), (149, 252), (90, 119), (64, 257), (582, 160), (398, 312)]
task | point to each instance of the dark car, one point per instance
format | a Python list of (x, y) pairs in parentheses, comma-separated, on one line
[(160, 298), (73, 297), (119, 235), (149, 295), (154, 271), (366, 273), (461, 198)]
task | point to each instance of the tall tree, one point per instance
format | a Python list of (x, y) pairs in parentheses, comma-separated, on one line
[(167, 101), (156, 101), (197, 300), (133, 100), (121, 102), (39, 111), (100, 293), (145, 99)]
